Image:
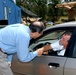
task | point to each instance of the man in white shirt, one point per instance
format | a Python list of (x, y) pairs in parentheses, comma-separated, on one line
[(57, 47), (60, 45)]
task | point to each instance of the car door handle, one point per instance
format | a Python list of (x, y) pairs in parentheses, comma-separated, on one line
[(55, 65)]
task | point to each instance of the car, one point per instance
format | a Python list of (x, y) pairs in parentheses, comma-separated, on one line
[(49, 23), (50, 64)]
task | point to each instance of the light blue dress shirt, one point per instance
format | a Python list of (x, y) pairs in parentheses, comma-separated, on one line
[(15, 38)]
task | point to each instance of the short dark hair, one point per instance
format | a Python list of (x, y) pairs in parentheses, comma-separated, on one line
[(36, 28), (67, 33)]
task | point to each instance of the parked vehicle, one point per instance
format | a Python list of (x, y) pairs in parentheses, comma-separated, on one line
[(49, 23), (50, 64)]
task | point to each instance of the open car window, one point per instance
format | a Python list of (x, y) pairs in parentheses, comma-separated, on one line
[(53, 35), (50, 37)]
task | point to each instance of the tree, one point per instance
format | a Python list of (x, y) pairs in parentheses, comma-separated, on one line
[(40, 8), (52, 11)]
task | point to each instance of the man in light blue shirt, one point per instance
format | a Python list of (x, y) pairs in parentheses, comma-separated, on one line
[(15, 39)]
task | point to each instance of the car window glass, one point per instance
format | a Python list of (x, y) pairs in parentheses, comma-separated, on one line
[(74, 51), (53, 35), (71, 48), (48, 37)]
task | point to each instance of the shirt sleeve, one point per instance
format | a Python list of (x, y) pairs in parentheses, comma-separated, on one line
[(56, 46), (22, 49), (9, 58)]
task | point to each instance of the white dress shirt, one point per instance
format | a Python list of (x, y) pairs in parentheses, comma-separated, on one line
[(56, 46)]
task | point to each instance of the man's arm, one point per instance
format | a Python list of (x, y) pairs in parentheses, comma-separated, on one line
[(45, 48), (55, 46), (22, 49)]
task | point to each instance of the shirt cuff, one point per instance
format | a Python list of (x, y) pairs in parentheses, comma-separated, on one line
[(35, 53)]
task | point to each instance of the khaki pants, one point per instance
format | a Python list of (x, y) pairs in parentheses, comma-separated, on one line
[(4, 67)]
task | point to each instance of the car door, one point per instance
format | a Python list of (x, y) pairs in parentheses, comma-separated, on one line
[(52, 65), (49, 65), (21, 68)]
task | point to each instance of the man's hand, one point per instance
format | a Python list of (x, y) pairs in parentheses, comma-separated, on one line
[(43, 49), (9, 63), (40, 51)]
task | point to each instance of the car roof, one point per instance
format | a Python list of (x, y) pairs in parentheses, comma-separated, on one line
[(67, 24)]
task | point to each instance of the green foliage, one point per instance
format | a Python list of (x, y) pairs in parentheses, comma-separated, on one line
[(40, 8)]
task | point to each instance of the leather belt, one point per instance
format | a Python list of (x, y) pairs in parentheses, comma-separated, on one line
[(2, 51)]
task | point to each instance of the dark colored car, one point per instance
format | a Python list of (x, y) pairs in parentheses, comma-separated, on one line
[(50, 64)]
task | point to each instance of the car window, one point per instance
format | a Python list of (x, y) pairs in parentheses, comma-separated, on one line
[(74, 50), (50, 36), (53, 35)]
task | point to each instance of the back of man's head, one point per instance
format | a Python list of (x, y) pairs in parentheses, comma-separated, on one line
[(37, 26)]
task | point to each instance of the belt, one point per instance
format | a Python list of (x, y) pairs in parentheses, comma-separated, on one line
[(2, 51)]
